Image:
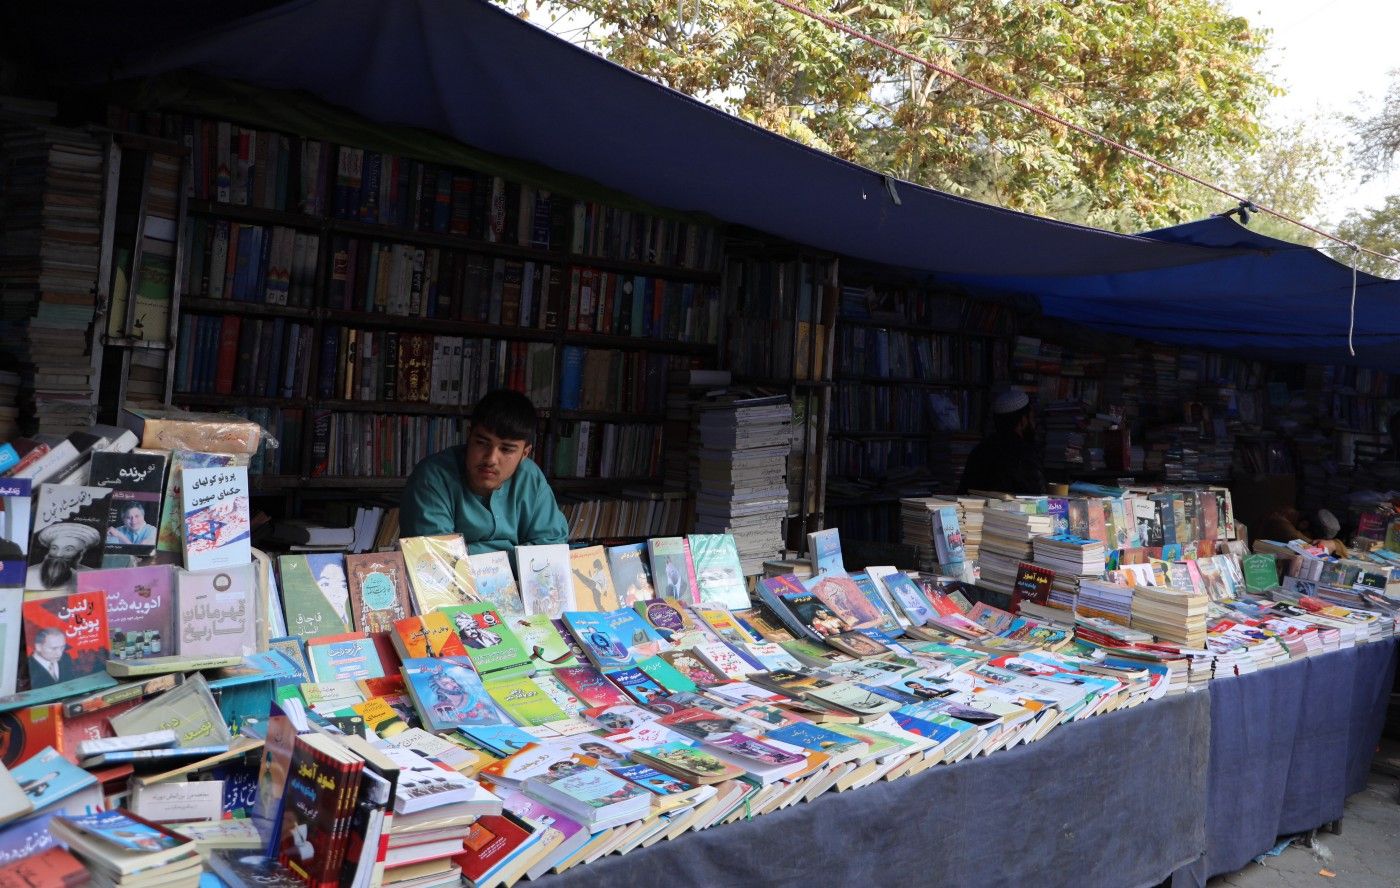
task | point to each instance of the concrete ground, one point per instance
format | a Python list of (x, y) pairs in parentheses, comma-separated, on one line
[(1365, 855)]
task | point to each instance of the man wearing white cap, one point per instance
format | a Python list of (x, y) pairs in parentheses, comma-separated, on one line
[(63, 547), (1007, 459)]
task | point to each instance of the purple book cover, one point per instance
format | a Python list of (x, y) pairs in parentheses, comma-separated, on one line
[(140, 608)]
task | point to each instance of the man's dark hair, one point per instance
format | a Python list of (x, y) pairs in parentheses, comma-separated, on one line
[(1005, 423), (506, 414)]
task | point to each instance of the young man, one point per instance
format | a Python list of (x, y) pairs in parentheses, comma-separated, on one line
[(488, 489)]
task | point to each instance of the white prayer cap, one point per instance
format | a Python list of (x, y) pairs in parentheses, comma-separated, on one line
[(1327, 525), (1010, 401)]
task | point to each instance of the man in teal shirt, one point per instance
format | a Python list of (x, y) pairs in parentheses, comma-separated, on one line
[(488, 489)]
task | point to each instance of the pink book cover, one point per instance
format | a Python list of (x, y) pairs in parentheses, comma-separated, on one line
[(690, 570)]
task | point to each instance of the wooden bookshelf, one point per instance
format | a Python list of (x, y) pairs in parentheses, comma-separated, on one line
[(681, 308)]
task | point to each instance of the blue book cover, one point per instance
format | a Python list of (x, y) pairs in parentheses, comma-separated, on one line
[(9, 457), (47, 777), (924, 727), (638, 685), (571, 378), (813, 737), (601, 642), (499, 740), (448, 693), (651, 779), (890, 623), (907, 595)]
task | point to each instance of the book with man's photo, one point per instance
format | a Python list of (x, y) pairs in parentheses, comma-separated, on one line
[(65, 637), (136, 480), (70, 526)]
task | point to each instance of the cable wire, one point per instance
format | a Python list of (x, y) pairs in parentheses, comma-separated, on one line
[(1040, 112)]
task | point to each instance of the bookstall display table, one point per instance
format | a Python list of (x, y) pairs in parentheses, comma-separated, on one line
[(1061, 806), (1287, 746)]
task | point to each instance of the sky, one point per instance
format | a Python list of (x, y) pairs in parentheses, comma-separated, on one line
[(1331, 57)]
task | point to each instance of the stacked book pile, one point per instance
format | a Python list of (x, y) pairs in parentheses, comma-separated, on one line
[(917, 527), (744, 445), (1174, 615), (685, 391), (1072, 559), (1064, 434), (1006, 542), (1104, 599), (50, 246)]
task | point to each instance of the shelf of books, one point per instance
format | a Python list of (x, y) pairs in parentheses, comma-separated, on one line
[(914, 369), (358, 303), (781, 307)]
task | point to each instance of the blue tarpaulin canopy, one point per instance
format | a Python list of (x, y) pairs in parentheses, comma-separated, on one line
[(470, 70)]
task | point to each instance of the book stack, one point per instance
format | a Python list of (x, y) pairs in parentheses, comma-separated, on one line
[(1006, 542), (1064, 434), (50, 245), (1174, 615), (686, 390), (917, 526), (1073, 559), (123, 849), (744, 444), (1104, 599)]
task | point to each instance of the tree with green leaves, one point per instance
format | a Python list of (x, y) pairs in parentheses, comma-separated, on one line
[(1375, 228), (1378, 135), (1176, 79)]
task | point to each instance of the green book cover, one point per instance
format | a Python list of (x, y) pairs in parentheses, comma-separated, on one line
[(666, 675), (314, 595), (524, 701), (492, 646), (1260, 572), (546, 647), (189, 711)]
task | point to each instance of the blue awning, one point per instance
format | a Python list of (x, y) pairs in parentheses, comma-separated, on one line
[(470, 70)]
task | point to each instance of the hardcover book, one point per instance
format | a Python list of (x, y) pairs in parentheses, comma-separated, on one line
[(718, 571), (447, 693), (217, 528), (496, 583), (218, 611), (546, 586), (672, 570), (378, 590), (70, 526), (491, 646), (140, 608), (136, 480), (593, 582), (66, 638), (631, 573), (315, 595), (439, 571)]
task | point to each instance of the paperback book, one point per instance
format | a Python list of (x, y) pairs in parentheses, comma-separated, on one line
[(315, 594), (218, 611), (546, 586), (447, 693), (378, 590), (439, 572), (718, 572), (217, 529), (141, 608), (70, 526), (593, 581), (136, 480), (631, 573), (496, 583), (66, 638)]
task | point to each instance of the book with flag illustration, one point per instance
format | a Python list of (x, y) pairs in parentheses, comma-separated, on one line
[(217, 528)]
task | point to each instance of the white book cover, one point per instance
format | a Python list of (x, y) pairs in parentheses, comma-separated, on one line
[(218, 612), (217, 530), (546, 586)]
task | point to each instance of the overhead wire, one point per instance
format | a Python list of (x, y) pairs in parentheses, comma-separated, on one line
[(1082, 130)]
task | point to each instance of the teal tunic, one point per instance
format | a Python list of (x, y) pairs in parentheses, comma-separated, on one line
[(521, 513)]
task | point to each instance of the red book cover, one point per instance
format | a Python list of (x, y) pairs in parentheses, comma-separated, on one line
[(53, 867), (312, 836), (24, 732), (228, 354), (1033, 583), (65, 637), (492, 839)]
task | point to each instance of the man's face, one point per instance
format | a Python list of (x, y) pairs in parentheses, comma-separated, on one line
[(492, 460), (67, 548), (51, 648), (134, 519)]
